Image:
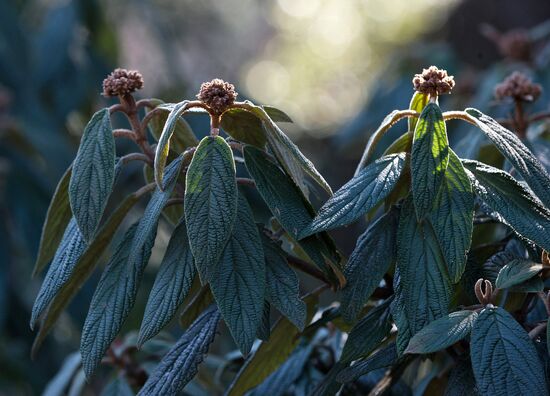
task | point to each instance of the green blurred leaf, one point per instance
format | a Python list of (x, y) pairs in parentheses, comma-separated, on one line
[(276, 114), (418, 102), (118, 387), (461, 380), (383, 358), (516, 272)]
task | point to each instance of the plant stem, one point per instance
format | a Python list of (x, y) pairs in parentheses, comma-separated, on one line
[(124, 133), (306, 267), (136, 157)]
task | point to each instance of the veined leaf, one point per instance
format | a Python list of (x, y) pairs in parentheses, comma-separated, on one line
[(238, 281), (71, 248), (418, 102), (528, 166), (58, 216), (426, 286), (244, 126), (93, 173), (429, 158), (171, 286), (369, 261), (264, 330), (516, 272), (397, 309), (282, 285), (172, 213), (504, 359), (513, 203), (180, 364), (452, 217), (383, 358), (358, 196), (442, 332), (210, 203)]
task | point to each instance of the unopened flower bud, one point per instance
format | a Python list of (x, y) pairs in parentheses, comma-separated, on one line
[(122, 82), (433, 81), (519, 87), (217, 94)]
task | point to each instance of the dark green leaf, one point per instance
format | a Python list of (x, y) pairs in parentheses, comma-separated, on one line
[(358, 196), (383, 358), (504, 359), (277, 115), (429, 158), (172, 213), (513, 203), (58, 216), (244, 126), (264, 330), (200, 302), (418, 102), (238, 281), (442, 332), (58, 385), (402, 144), (426, 286), (369, 261), (210, 203), (282, 285), (461, 380), (93, 174), (180, 364), (516, 272), (528, 166), (171, 286), (118, 387), (452, 217), (397, 309)]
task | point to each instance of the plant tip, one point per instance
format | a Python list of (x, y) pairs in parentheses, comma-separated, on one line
[(433, 81), (217, 94), (122, 82)]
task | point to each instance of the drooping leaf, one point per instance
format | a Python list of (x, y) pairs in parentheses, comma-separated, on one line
[(358, 196), (71, 248), (93, 174), (118, 387), (429, 158), (504, 359), (383, 358), (180, 364), (523, 160), (58, 216), (369, 261), (59, 384), (210, 203), (282, 285), (276, 114), (425, 284), (172, 213), (513, 203), (244, 126), (442, 332), (418, 102), (516, 272), (397, 309), (199, 303), (368, 333), (402, 144), (171, 286), (264, 330), (238, 281), (452, 217)]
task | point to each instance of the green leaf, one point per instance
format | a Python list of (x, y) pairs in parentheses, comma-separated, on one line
[(58, 216), (238, 281), (282, 285), (442, 332), (383, 358), (163, 146), (523, 160), (358, 196), (244, 126), (172, 213), (402, 144), (199, 303), (429, 158), (264, 330), (397, 309), (369, 261), (461, 380), (276, 114), (516, 272), (180, 364), (452, 217), (210, 203), (504, 359), (93, 174), (71, 248), (514, 204), (368, 333), (118, 387), (418, 102), (426, 286), (171, 286)]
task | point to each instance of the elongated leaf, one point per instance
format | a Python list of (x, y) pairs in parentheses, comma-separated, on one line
[(171, 286), (516, 272), (418, 102), (58, 216), (163, 146), (182, 135), (358, 196), (528, 166), (210, 203), (238, 283), (264, 330), (426, 286), (59, 384), (402, 144), (282, 285), (399, 314), (429, 158), (199, 303), (452, 217), (71, 248), (93, 173), (180, 364), (276, 114), (244, 126), (367, 334), (504, 359), (118, 387), (369, 261), (513, 203), (385, 357), (442, 332)]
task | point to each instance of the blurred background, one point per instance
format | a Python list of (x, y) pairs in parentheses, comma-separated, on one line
[(336, 67)]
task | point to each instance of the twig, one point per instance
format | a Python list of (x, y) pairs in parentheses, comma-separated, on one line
[(136, 157), (306, 267), (124, 133), (243, 181), (537, 330)]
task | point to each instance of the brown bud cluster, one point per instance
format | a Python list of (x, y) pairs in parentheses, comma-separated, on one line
[(519, 87), (516, 44), (217, 94), (433, 81), (122, 82)]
